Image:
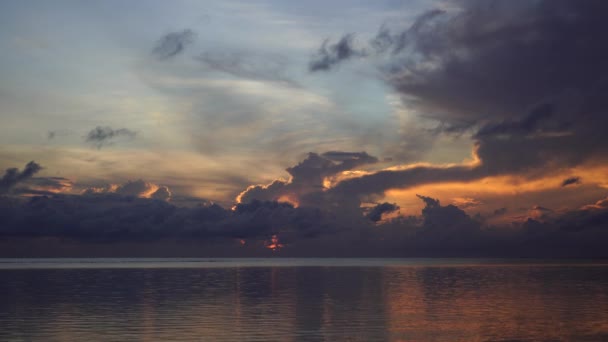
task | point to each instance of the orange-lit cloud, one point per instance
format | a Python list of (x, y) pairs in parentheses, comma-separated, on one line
[(482, 193), (138, 188), (289, 198)]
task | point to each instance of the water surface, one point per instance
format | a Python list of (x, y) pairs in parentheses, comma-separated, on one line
[(302, 300)]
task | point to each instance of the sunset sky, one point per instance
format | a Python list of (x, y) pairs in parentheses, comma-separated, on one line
[(360, 127)]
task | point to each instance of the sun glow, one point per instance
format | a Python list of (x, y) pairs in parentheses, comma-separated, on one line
[(274, 243)]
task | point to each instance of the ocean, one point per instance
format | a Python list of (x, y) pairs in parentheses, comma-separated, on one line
[(303, 300)]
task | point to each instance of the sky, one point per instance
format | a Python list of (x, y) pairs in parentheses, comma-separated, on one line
[(342, 128)]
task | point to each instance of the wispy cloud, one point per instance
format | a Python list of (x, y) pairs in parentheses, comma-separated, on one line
[(173, 43), (104, 135)]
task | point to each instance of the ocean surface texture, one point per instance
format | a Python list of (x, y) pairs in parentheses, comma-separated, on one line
[(302, 300)]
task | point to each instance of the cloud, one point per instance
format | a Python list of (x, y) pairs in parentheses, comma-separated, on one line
[(571, 181), (445, 219), (44, 186), (376, 212), (601, 204), (58, 133), (526, 78), (307, 177), (172, 44), (135, 188), (252, 113), (532, 123), (248, 65), (100, 136), (466, 202), (138, 188), (540, 213), (115, 217), (492, 59), (13, 176), (163, 193), (306, 231), (378, 182), (330, 55)]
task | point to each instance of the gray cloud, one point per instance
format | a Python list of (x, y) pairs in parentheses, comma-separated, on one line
[(100, 136), (307, 177), (50, 182), (534, 122), (134, 188), (163, 193), (172, 44), (330, 55), (13, 176), (375, 214)]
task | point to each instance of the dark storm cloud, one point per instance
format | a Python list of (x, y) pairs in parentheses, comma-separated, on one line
[(498, 58), (526, 77), (447, 226), (571, 181), (172, 44), (13, 176), (491, 59), (100, 136), (330, 55), (115, 217), (439, 231), (248, 65), (449, 231), (529, 124), (438, 217)]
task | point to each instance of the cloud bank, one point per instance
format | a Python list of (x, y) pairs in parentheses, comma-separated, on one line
[(304, 231)]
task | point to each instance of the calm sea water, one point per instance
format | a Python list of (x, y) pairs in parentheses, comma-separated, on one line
[(302, 300)]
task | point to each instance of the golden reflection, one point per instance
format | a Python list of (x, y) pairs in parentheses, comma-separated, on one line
[(481, 304)]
